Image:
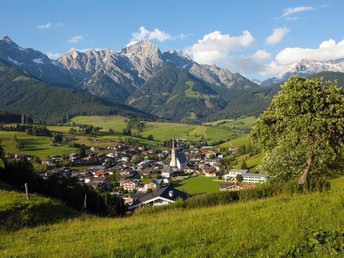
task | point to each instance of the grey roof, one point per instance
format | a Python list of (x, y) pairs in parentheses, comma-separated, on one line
[(255, 175), (181, 157), (239, 171)]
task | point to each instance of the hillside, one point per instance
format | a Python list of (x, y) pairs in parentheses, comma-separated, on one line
[(284, 226), (20, 93), (17, 212)]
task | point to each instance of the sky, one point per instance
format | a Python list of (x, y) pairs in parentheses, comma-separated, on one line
[(258, 39)]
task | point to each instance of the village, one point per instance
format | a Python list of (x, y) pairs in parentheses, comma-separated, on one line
[(146, 176)]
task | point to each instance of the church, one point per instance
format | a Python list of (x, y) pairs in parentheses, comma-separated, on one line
[(178, 159)]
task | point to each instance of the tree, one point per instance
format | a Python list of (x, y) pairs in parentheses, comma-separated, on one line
[(304, 122), (244, 165), (239, 178)]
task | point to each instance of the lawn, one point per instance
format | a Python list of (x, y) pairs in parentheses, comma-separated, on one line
[(199, 184)]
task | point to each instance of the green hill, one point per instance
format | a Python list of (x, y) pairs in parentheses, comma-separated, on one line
[(20, 93), (175, 95), (17, 212), (309, 225)]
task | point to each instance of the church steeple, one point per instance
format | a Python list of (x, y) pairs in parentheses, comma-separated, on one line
[(173, 162)]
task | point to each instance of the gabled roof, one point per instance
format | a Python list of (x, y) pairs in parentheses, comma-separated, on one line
[(255, 175), (239, 171), (181, 157), (164, 193)]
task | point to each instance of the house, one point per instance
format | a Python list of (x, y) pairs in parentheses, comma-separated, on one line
[(231, 175), (167, 172), (235, 187), (210, 172), (164, 196), (155, 184), (129, 185), (252, 178)]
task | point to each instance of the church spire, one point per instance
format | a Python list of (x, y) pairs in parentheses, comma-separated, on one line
[(173, 162)]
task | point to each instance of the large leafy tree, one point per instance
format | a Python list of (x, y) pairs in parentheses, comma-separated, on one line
[(302, 131)]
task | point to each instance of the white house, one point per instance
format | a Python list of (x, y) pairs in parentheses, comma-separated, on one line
[(231, 175), (252, 178)]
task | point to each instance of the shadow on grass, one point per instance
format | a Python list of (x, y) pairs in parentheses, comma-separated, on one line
[(35, 215)]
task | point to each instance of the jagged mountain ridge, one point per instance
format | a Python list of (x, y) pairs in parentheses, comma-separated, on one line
[(305, 68), (106, 72), (34, 62)]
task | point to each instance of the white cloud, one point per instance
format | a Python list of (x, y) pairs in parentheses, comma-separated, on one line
[(214, 48), (261, 55), (146, 34), (276, 36), (53, 55), (292, 10), (327, 50), (75, 39), (44, 26)]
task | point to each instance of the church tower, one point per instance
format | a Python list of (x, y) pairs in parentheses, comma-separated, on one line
[(173, 162)]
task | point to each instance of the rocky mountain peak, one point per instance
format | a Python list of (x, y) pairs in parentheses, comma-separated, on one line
[(7, 40), (143, 47)]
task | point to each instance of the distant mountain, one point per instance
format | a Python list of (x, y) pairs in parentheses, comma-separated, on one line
[(210, 74), (306, 68), (20, 93), (138, 68), (34, 62)]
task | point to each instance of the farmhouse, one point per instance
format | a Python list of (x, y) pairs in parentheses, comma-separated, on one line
[(164, 196), (235, 187)]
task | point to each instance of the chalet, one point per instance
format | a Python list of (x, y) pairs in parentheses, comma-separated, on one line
[(164, 196), (129, 185), (155, 184), (235, 187)]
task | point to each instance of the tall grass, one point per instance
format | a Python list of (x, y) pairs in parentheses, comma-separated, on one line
[(275, 227)]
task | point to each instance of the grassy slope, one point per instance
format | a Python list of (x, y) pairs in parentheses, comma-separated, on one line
[(262, 228), (16, 211)]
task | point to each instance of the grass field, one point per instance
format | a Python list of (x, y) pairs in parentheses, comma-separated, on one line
[(240, 123), (283, 226), (199, 184), (39, 146), (17, 211), (236, 142)]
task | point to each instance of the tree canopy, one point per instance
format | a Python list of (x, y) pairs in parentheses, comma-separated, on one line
[(302, 131)]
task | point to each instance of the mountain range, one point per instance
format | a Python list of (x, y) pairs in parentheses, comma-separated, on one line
[(140, 79)]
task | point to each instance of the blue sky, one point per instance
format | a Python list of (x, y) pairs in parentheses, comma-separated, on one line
[(259, 39)]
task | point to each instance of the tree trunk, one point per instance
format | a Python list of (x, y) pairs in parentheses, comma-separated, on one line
[(304, 176)]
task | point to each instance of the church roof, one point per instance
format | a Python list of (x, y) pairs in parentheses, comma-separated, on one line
[(181, 157)]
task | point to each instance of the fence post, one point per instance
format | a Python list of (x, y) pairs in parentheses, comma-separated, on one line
[(27, 191)]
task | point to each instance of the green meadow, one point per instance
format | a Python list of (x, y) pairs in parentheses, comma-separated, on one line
[(308, 225), (199, 184)]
